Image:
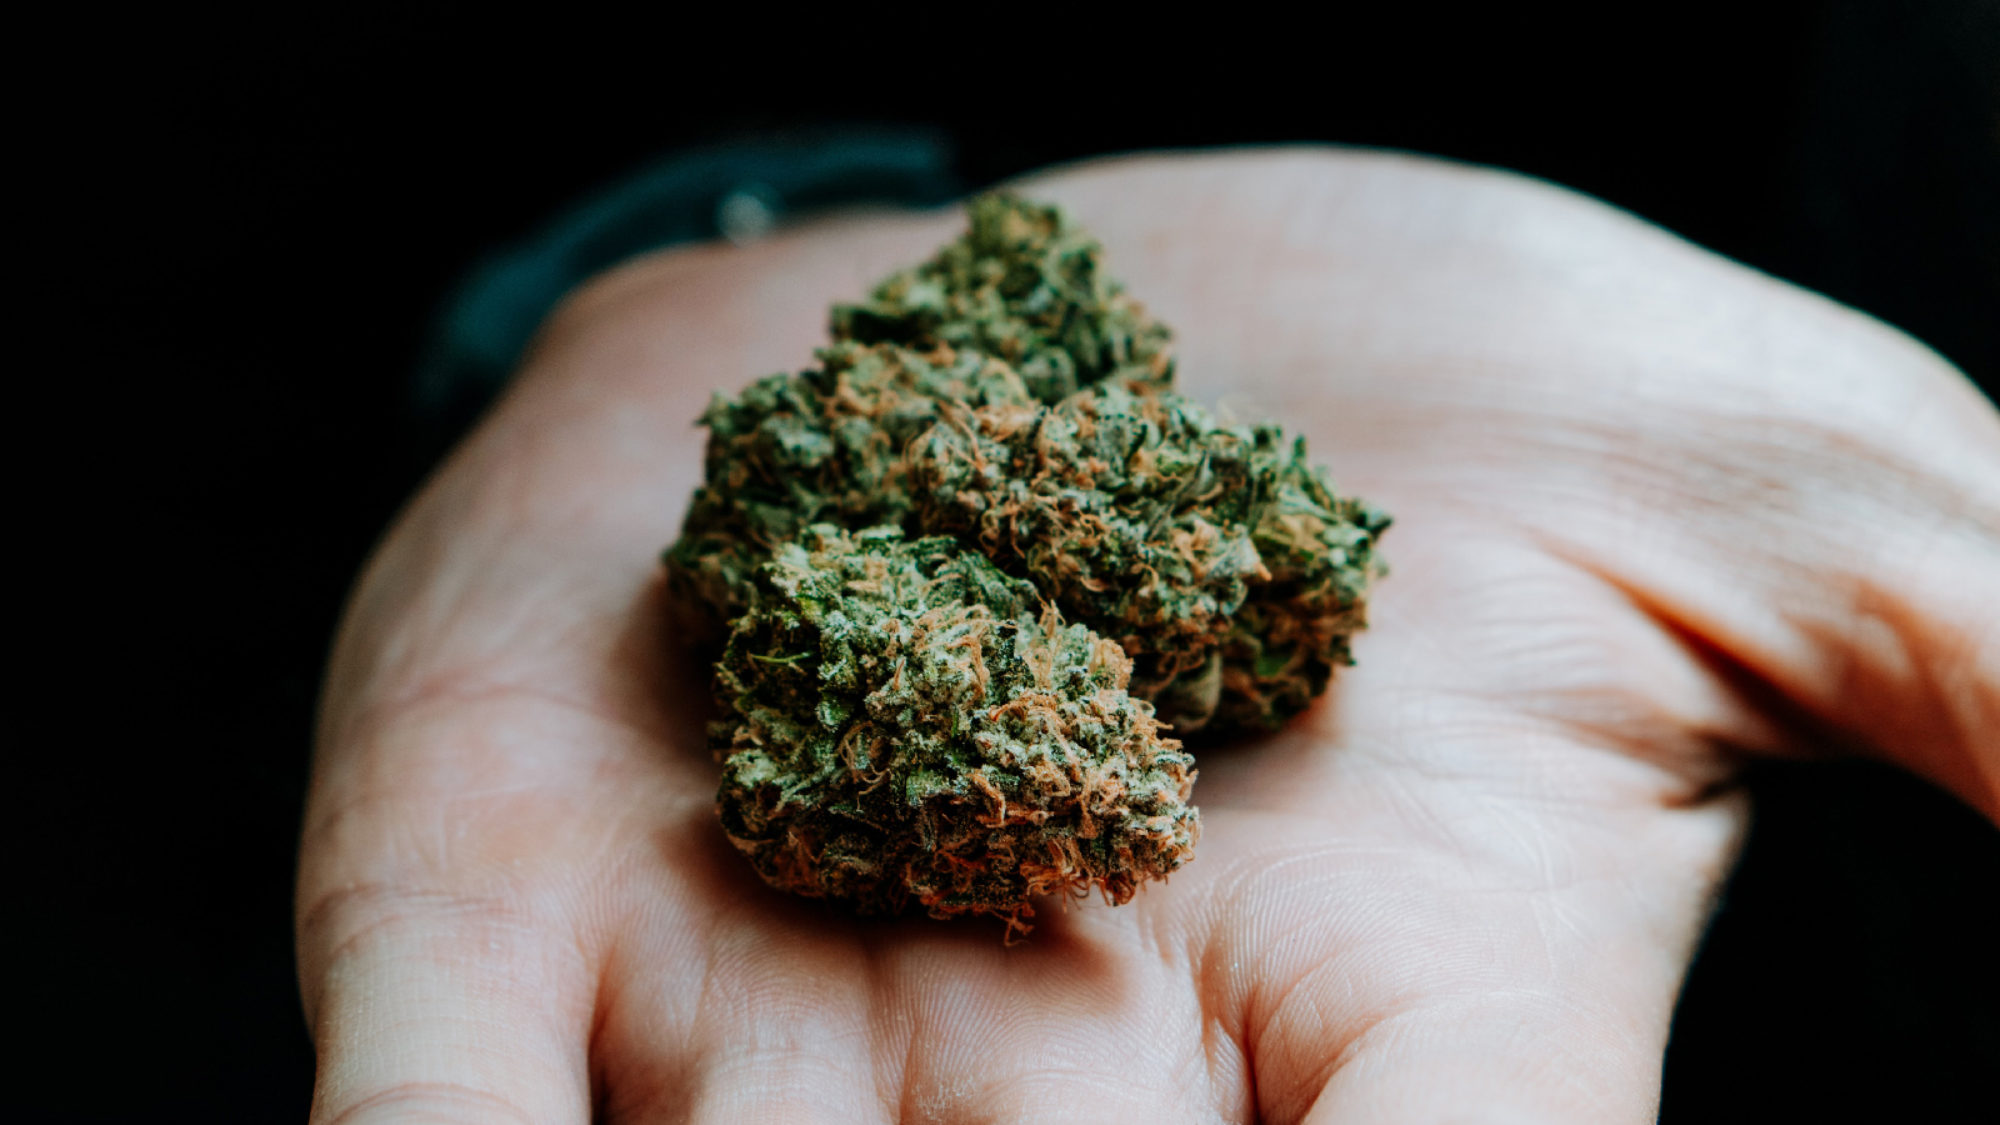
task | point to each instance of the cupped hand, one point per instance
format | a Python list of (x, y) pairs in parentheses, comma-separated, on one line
[(1654, 512)]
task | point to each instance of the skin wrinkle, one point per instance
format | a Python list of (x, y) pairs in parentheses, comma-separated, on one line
[(1959, 523), (404, 656), (600, 1017), (1463, 761), (1218, 1063), (428, 841), (664, 1082), (727, 934), (601, 948), (501, 678), (1680, 741), (1403, 794), (697, 1052), (1112, 1096), (1219, 981), (1041, 1051), (850, 949), (1762, 720), (1949, 725), (937, 1088), (382, 906), (1336, 1048), (635, 1092), (1228, 1073), (620, 706), (1681, 760), (1262, 1005), (439, 1103), (899, 1092), (1640, 722)]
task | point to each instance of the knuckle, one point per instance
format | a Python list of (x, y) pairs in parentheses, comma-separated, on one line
[(345, 917)]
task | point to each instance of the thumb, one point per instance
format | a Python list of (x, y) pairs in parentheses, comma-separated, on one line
[(1848, 557), (437, 1008), (1812, 500)]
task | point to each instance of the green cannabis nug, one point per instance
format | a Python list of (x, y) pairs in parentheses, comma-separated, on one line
[(906, 725), (974, 562)]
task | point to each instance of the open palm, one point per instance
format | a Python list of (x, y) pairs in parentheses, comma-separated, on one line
[(1654, 512)]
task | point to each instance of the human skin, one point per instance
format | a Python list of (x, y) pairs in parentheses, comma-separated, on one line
[(1656, 515)]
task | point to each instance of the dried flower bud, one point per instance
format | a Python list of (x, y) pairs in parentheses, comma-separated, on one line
[(1130, 508), (822, 446), (896, 537), (904, 726), (1025, 286)]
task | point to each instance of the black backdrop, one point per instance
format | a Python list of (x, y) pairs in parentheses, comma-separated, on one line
[(255, 219)]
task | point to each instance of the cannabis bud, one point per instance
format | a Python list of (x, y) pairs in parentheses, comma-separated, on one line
[(969, 565), (905, 725), (1028, 289)]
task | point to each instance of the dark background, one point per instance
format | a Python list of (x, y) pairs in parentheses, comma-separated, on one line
[(256, 221)]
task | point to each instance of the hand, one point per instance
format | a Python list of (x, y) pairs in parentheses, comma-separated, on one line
[(1654, 513)]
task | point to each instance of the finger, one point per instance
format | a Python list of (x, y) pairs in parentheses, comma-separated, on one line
[(782, 1013), (1454, 987), (1089, 1020), (437, 1009), (758, 1011)]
